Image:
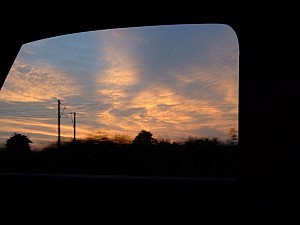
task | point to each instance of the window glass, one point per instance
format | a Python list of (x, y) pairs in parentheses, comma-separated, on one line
[(171, 85)]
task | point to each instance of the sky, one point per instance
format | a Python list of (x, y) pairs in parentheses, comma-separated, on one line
[(176, 81)]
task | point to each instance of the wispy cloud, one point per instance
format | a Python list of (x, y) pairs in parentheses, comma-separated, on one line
[(175, 81), (27, 83), (181, 99), (42, 128), (121, 64), (165, 112)]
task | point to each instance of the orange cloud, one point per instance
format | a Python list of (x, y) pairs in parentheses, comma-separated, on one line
[(187, 101), (172, 107), (165, 112), (36, 84), (119, 56), (39, 127)]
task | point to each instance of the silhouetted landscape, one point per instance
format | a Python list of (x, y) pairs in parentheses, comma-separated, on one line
[(144, 156)]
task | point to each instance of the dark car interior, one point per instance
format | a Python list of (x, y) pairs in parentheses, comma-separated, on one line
[(268, 122)]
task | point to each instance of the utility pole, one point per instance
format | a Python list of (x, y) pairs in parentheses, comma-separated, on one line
[(74, 139), (58, 122), (73, 115)]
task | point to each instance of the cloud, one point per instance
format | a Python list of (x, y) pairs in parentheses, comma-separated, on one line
[(199, 89), (35, 128), (175, 82), (209, 131), (121, 61), (187, 98), (166, 112), (36, 84), (41, 128), (127, 112)]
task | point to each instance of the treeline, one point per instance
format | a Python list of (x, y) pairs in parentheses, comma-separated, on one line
[(145, 156)]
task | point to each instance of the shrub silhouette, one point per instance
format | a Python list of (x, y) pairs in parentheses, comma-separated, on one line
[(18, 144)]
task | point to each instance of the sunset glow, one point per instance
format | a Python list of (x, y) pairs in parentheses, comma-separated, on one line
[(177, 81)]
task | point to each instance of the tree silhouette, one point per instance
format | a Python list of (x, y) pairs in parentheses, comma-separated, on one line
[(144, 138), (18, 144), (232, 137)]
